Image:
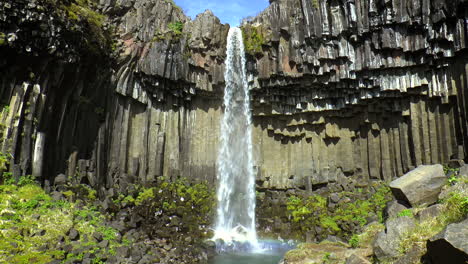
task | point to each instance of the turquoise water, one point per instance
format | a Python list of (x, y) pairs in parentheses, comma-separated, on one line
[(246, 259), (272, 252)]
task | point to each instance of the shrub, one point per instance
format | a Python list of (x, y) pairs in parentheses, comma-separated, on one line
[(253, 39), (176, 28), (306, 213)]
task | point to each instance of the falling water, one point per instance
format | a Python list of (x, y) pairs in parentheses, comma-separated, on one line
[(235, 224)]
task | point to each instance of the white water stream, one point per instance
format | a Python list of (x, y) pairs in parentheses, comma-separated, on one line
[(235, 223)]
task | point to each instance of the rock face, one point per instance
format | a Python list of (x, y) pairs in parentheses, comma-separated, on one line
[(364, 88), (154, 111), (451, 245), (420, 186), (339, 88)]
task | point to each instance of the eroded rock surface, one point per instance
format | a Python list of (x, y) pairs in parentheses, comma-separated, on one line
[(420, 186)]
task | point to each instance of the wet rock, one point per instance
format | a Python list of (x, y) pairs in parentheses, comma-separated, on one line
[(420, 186), (450, 245)]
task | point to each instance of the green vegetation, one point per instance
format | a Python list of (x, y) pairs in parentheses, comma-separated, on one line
[(176, 28), (194, 203), (455, 209), (253, 39), (83, 12), (316, 4), (34, 225), (405, 212), (2, 39), (448, 170), (307, 213), (174, 33)]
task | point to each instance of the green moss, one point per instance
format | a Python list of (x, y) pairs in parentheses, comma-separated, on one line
[(405, 212), (454, 209), (146, 194), (2, 39), (316, 4), (83, 12), (19, 224), (253, 39), (176, 28), (306, 213)]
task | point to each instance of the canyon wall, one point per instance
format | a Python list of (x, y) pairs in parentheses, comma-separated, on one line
[(368, 89), (147, 104), (358, 89)]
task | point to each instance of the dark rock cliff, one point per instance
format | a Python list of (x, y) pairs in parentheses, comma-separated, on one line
[(140, 101), (363, 88), (124, 91)]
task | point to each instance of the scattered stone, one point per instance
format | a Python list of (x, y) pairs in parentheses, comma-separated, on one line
[(456, 163), (420, 186), (104, 244), (334, 197), (73, 234), (450, 245), (387, 242), (123, 252), (355, 259), (56, 196), (412, 256), (61, 179), (97, 236)]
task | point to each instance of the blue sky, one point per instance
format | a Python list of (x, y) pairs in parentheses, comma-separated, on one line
[(228, 11)]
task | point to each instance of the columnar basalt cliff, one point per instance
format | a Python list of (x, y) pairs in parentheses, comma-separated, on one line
[(125, 91), (149, 108), (363, 88)]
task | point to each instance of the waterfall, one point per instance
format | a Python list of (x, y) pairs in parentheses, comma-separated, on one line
[(235, 223)]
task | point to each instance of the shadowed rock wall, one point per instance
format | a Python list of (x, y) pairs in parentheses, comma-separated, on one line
[(149, 108)]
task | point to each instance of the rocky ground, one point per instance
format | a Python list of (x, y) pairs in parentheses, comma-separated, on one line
[(425, 223), (164, 223)]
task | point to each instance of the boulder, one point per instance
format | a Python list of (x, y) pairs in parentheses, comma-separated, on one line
[(450, 245), (463, 171), (456, 163), (61, 179), (430, 212), (387, 242), (420, 186), (393, 208)]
